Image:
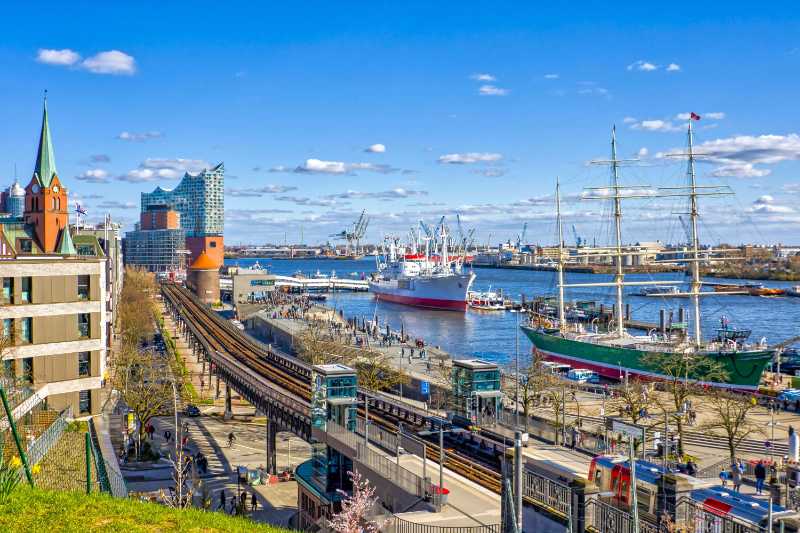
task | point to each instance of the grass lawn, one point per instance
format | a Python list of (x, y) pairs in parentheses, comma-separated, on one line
[(51, 511)]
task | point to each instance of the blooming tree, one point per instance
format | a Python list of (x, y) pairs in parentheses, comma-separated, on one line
[(352, 517)]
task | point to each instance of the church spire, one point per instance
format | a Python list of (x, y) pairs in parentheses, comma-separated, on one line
[(45, 158)]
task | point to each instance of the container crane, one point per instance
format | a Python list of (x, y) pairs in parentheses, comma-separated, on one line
[(353, 236)]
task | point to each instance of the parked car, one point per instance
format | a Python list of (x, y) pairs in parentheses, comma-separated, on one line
[(191, 410)]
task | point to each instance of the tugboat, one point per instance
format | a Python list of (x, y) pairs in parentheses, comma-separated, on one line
[(611, 352)]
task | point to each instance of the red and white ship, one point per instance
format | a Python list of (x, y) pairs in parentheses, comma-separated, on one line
[(433, 280)]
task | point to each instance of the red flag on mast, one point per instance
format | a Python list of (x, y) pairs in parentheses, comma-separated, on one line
[(694, 116)]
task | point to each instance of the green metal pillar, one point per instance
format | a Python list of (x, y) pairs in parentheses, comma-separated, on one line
[(88, 464), (22, 455)]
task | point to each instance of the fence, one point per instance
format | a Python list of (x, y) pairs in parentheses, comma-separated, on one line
[(694, 517), (382, 465), (554, 496), (111, 481), (50, 436), (398, 525), (603, 517)]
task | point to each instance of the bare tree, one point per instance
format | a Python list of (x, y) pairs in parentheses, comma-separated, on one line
[(355, 508), (557, 394), (533, 380), (634, 401), (144, 382), (682, 371), (730, 415)]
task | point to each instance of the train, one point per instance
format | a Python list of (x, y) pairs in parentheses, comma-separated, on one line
[(713, 503)]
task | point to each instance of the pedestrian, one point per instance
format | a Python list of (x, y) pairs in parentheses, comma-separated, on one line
[(253, 502), (736, 476), (761, 474), (723, 476), (222, 500), (167, 435), (243, 500)]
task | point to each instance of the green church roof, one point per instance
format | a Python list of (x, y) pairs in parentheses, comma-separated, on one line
[(45, 158), (66, 246)]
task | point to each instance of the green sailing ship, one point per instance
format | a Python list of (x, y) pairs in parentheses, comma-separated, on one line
[(615, 353)]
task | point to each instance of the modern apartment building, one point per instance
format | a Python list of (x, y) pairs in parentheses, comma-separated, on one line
[(199, 198), (53, 304)]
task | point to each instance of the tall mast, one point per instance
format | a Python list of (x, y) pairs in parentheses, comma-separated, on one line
[(620, 276), (695, 288), (561, 318)]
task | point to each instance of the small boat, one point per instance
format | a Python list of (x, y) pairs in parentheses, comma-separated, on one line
[(317, 297), (793, 291), (486, 301), (583, 375), (659, 291), (741, 288), (765, 291)]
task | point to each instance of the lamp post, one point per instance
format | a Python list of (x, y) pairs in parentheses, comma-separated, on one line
[(516, 368)]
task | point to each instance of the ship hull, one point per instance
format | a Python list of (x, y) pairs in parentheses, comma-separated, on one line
[(443, 292), (744, 369)]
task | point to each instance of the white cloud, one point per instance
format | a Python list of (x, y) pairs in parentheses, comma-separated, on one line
[(323, 167), (469, 157), (259, 191), (551, 76), (766, 205), (114, 204), (138, 137), (110, 62), (93, 175), (491, 90), (392, 194), (642, 65), (483, 77), (673, 67), (629, 120), (642, 152), (655, 125), (64, 57), (492, 172), (738, 156), (154, 169), (279, 168), (717, 115), (376, 148)]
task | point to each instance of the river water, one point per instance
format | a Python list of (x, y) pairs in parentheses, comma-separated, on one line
[(493, 335)]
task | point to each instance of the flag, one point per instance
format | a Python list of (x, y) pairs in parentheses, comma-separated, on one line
[(80, 210), (694, 116)]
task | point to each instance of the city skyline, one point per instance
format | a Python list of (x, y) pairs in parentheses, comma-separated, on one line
[(414, 113)]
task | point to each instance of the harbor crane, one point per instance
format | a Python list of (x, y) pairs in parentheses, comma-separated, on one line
[(578, 240), (353, 236), (521, 236)]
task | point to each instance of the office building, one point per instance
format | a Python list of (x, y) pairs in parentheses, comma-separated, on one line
[(158, 244), (199, 199), (53, 300), (12, 200)]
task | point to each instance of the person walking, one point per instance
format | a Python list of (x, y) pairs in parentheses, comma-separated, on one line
[(736, 476), (222, 500), (761, 475), (253, 502), (231, 439)]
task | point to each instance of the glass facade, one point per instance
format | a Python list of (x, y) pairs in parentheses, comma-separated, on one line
[(155, 250), (199, 198)]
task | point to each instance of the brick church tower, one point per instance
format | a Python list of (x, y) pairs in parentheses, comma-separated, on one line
[(46, 204)]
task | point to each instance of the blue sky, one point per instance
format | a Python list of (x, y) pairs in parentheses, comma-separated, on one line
[(478, 107)]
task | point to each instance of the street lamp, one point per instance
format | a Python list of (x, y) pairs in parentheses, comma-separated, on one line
[(516, 367)]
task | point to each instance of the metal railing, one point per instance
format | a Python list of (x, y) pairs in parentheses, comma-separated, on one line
[(603, 517), (554, 496), (378, 436), (110, 480), (382, 465), (694, 517), (398, 525), (49, 437)]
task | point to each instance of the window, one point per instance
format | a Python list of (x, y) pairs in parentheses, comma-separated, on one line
[(26, 330), (83, 287), (213, 244), (8, 328), (83, 325), (85, 249), (26, 290), (26, 246), (8, 290), (27, 370), (84, 364), (84, 401), (10, 368)]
